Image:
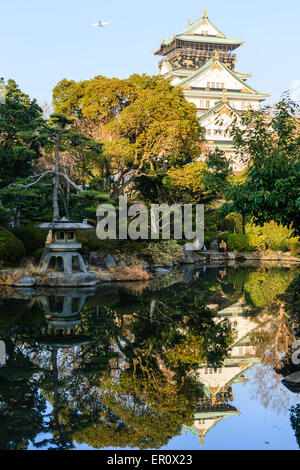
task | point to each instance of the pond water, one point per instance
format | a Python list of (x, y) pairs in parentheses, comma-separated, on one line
[(192, 359)]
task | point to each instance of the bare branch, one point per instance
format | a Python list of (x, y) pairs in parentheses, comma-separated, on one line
[(39, 177), (26, 186)]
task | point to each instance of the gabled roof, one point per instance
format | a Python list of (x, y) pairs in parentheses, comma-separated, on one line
[(204, 19), (218, 107), (210, 63), (188, 34)]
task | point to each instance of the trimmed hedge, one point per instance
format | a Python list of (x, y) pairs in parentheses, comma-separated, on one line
[(233, 222), (12, 249), (32, 238), (245, 242)]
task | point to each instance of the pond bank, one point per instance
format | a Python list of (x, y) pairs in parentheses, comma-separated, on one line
[(25, 278)]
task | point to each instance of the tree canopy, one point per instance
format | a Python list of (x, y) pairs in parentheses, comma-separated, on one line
[(268, 141), (20, 145), (145, 124)]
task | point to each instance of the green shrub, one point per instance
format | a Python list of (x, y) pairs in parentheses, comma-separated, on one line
[(89, 240), (237, 241), (32, 238), (245, 242), (276, 236), (163, 252), (12, 250), (214, 220), (255, 242), (293, 245), (233, 222), (209, 237)]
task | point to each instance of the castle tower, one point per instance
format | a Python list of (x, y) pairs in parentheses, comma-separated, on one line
[(201, 60)]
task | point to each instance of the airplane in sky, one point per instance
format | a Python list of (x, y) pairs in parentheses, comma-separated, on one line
[(102, 23)]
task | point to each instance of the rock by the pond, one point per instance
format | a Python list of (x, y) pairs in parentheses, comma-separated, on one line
[(169, 264), (161, 271), (122, 264), (214, 246), (110, 261), (105, 279), (292, 382), (26, 282), (294, 377), (95, 260), (69, 280), (189, 256)]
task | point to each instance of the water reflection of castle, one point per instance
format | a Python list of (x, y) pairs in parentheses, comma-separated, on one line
[(218, 383)]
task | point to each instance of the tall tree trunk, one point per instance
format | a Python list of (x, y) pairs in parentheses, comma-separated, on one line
[(68, 200), (244, 223), (56, 180)]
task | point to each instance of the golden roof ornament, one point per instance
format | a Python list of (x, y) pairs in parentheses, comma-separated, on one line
[(205, 13), (188, 22), (216, 55), (224, 97)]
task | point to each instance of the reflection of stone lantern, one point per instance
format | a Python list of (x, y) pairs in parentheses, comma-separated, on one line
[(62, 310), (61, 244)]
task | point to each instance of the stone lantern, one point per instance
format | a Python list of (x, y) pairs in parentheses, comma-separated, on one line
[(61, 244)]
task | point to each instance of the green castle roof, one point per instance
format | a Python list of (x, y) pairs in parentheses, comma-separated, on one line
[(188, 35), (208, 64)]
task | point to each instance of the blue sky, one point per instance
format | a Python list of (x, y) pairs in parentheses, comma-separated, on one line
[(43, 42)]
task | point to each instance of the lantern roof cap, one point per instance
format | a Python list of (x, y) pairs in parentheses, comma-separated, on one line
[(64, 224)]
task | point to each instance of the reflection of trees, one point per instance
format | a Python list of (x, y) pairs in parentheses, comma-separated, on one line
[(266, 389), (295, 421), (278, 323), (129, 385), (123, 375), (274, 334), (21, 405), (151, 394)]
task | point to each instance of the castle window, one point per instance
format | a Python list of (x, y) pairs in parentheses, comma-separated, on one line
[(217, 85), (207, 104), (222, 85), (201, 103), (213, 85), (208, 131), (208, 84)]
